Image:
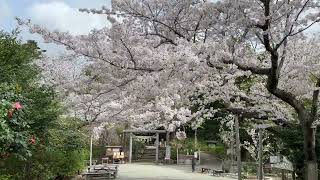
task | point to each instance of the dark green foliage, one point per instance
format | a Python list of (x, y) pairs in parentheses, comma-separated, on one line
[(98, 150), (250, 168), (188, 146), (137, 149), (18, 83), (245, 82), (60, 156), (292, 140), (208, 131), (16, 60), (14, 128), (57, 149)]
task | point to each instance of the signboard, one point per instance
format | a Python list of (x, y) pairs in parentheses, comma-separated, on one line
[(168, 152), (112, 149), (285, 164), (262, 126), (275, 159)]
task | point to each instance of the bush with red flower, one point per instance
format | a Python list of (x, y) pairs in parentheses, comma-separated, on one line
[(34, 142), (14, 129)]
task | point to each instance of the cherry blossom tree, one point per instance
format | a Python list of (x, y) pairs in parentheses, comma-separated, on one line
[(161, 53), (253, 147), (277, 31)]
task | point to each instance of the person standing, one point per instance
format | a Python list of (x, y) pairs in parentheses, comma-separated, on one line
[(193, 163)]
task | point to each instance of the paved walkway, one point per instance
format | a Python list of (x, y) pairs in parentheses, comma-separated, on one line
[(161, 172)]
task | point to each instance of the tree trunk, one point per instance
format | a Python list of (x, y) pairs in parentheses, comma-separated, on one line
[(309, 148), (260, 154), (238, 147), (293, 175), (168, 138), (283, 177)]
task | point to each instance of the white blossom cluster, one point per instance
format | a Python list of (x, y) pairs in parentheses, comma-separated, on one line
[(181, 135), (227, 133), (158, 54), (253, 147)]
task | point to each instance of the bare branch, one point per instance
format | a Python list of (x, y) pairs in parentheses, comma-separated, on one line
[(130, 53), (164, 37), (196, 29)]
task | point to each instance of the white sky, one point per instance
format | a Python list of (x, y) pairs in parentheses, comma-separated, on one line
[(62, 15)]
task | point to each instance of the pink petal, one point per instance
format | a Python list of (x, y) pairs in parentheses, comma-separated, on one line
[(17, 105)]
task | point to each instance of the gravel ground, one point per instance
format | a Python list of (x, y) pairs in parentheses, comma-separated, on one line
[(161, 172)]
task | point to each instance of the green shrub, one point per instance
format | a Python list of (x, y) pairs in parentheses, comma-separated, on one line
[(34, 142), (5, 177), (137, 148), (250, 168), (188, 145)]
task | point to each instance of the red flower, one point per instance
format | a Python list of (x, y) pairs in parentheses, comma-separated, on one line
[(10, 113), (32, 140), (17, 105)]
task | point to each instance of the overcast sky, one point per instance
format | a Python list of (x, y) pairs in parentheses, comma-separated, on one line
[(53, 14), (56, 14)]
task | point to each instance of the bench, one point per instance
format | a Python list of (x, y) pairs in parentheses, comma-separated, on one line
[(101, 172), (216, 172), (98, 175)]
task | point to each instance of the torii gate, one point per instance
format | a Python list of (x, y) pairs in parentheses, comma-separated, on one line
[(157, 132)]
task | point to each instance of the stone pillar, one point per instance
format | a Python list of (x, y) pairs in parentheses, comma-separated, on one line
[(90, 161), (238, 149), (130, 149), (168, 138), (260, 152), (177, 155), (157, 147), (195, 139)]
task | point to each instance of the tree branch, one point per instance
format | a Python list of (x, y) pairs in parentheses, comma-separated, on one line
[(99, 57), (196, 29), (254, 70), (130, 53), (164, 37), (273, 77)]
